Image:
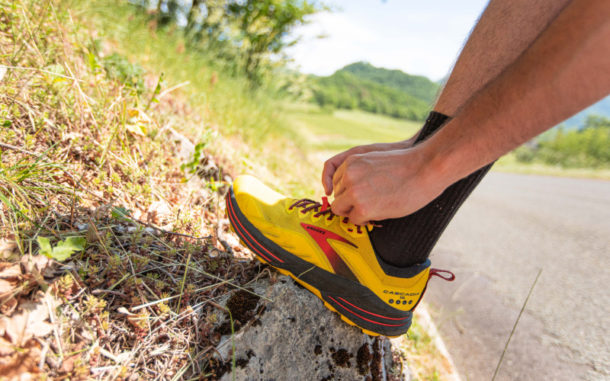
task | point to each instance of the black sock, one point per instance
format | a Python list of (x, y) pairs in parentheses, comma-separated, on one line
[(409, 240)]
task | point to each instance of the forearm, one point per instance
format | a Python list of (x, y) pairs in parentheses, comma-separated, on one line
[(566, 69)]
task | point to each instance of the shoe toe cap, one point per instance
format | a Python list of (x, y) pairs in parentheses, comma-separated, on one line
[(251, 194)]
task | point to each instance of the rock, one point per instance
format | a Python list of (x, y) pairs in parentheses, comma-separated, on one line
[(290, 335), (206, 169)]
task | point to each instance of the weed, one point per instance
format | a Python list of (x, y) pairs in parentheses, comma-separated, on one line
[(89, 176)]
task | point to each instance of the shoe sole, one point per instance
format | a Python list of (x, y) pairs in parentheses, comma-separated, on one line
[(355, 304)]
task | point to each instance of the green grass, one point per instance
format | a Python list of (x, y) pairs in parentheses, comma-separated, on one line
[(86, 151), (509, 163), (221, 98), (333, 132), (324, 133), (259, 139)]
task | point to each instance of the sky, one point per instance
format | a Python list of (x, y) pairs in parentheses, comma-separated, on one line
[(416, 36)]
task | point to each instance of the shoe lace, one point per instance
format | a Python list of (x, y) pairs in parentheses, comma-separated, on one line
[(321, 209)]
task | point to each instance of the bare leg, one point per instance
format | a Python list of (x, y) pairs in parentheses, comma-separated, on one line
[(505, 29)]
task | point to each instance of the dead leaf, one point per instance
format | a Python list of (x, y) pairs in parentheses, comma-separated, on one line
[(67, 365), (9, 271), (6, 287), (27, 323), (136, 129), (40, 263), (6, 348), (19, 363), (11, 284), (7, 307), (137, 122), (7, 248)]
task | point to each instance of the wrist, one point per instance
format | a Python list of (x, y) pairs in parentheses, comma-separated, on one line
[(409, 143), (443, 163)]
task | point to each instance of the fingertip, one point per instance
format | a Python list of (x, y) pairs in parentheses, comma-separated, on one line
[(334, 208), (339, 209), (325, 185)]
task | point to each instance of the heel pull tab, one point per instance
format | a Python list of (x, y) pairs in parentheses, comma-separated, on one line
[(443, 274)]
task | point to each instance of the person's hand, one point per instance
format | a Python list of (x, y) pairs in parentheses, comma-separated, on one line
[(331, 165), (379, 185)]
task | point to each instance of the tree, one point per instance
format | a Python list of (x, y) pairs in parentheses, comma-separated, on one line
[(264, 26), (245, 33)]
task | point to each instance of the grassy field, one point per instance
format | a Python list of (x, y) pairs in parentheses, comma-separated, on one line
[(335, 131), (324, 133), (509, 163)]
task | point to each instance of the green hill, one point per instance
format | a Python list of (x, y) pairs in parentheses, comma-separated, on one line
[(363, 86), (418, 86)]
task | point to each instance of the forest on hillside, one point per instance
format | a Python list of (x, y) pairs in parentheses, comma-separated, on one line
[(389, 92), (417, 86), (585, 147)]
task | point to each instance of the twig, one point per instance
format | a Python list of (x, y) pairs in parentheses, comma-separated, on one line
[(226, 245), (57, 337), (188, 261), (15, 148), (42, 71), (43, 355), (102, 292), (167, 91), (167, 231), (515, 325), (154, 302)]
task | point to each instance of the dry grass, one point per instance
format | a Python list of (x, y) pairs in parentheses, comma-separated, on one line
[(87, 152), (509, 163), (419, 351)]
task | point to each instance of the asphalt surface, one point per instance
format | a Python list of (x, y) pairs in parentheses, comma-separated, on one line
[(510, 227)]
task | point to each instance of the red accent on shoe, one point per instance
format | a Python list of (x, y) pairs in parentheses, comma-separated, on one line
[(438, 272), (370, 313), (362, 317), (234, 215), (325, 204), (321, 236)]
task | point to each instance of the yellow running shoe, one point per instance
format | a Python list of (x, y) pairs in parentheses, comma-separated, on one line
[(329, 256)]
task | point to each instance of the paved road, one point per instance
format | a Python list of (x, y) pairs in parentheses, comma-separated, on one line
[(510, 227)]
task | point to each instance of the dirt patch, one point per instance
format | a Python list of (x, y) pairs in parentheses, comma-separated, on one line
[(242, 305), (376, 363), (363, 359), (318, 350), (218, 368), (342, 357)]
